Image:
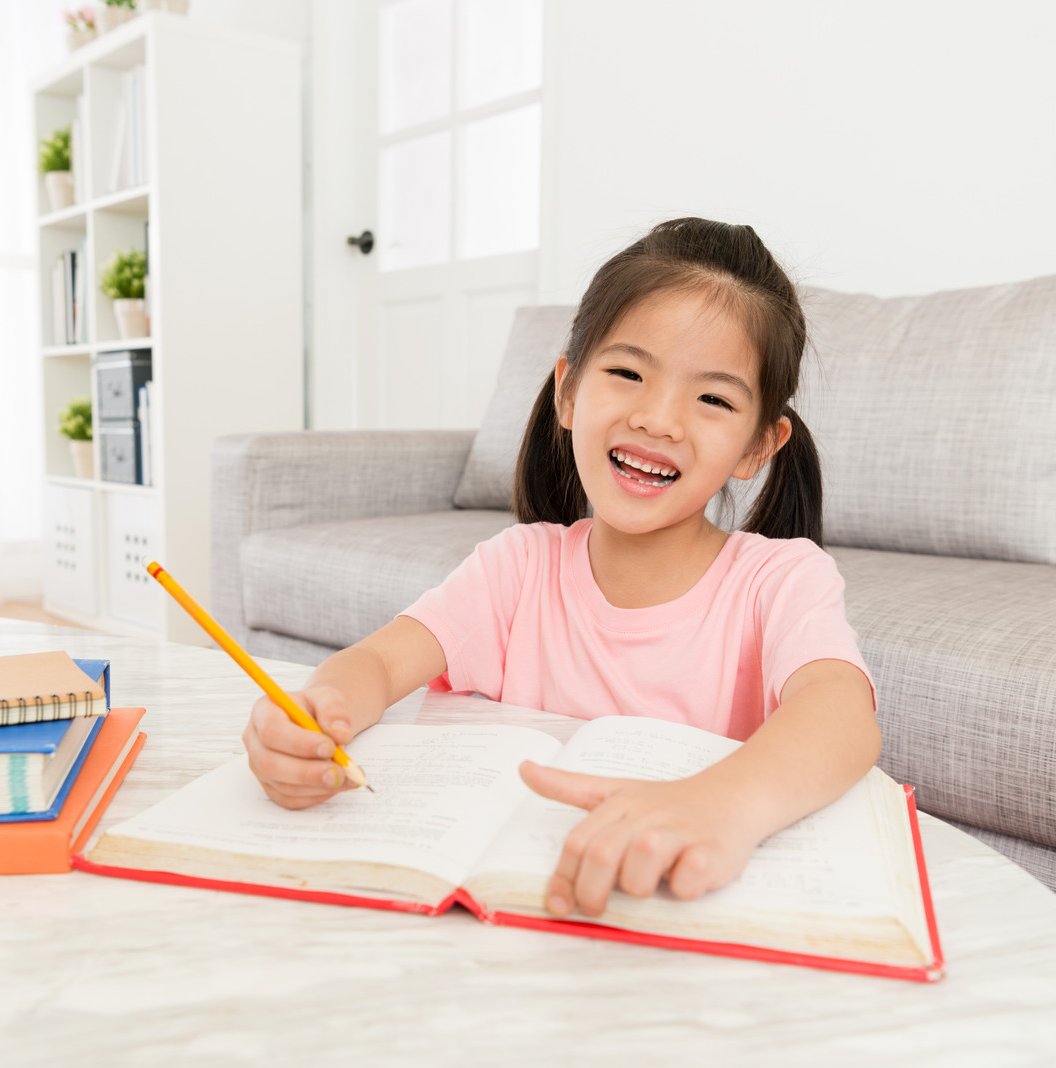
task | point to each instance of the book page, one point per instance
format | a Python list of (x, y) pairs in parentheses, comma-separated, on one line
[(831, 861), (440, 795)]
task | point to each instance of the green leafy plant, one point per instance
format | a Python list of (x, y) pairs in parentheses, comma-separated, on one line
[(130, 4), (123, 276), (55, 151), (75, 420)]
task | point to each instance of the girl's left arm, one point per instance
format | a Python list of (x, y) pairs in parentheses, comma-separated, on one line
[(699, 832)]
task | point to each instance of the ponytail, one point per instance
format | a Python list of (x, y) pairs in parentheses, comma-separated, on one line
[(546, 485), (789, 504)]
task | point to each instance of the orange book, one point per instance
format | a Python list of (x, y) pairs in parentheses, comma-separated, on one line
[(47, 846)]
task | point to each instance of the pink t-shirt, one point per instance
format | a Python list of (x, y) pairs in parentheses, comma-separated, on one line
[(522, 620)]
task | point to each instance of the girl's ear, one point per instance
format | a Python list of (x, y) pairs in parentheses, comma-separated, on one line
[(775, 439), (563, 404)]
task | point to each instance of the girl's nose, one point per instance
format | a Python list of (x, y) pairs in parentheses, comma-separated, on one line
[(659, 418)]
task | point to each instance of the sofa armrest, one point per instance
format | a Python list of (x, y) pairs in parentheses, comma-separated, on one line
[(263, 481)]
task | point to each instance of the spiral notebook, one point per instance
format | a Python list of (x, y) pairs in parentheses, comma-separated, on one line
[(38, 687)]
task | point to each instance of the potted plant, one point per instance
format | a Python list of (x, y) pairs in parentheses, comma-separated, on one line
[(80, 27), (113, 13), (174, 7), (75, 423), (122, 281), (55, 166)]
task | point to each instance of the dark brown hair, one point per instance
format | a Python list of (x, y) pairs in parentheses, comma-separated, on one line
[(731, 264)]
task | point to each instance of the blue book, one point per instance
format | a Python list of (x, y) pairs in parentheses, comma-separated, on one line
[(98, 670), (39, 763)]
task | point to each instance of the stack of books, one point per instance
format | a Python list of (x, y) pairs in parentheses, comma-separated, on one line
[(68, 306), (63, 754)]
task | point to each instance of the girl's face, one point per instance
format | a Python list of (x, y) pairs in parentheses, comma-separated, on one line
[(666, 411)]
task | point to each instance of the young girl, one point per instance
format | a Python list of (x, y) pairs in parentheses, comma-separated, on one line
[(683, 356)]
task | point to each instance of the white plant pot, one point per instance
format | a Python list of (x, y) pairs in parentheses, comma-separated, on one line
[(131, 316), (59, 187), (83, 465), (109, 18), (76, 38), (175, 7)]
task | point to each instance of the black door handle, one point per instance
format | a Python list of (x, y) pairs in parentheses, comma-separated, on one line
[(365, 242)]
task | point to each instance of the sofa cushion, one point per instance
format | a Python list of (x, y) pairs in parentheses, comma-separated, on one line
[(963, 653), (333, 583), (537, 338), (935, 417)]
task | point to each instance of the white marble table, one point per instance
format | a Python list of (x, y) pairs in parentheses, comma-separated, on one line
[(97, 971)]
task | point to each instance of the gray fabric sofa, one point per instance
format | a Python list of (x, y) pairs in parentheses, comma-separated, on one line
[(936, 420)]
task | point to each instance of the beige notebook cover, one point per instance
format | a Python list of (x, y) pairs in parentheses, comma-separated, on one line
[(43, 686)]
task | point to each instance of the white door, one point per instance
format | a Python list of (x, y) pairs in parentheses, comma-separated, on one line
[(443, 170)]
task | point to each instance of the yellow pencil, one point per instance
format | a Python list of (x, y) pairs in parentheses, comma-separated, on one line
[(251, 667)]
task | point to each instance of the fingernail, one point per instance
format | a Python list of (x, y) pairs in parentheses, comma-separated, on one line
[(555, 903), (325, 749), (341, 729), (332, 777)]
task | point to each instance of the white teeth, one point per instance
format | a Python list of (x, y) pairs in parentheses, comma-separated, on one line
[(630, 461)]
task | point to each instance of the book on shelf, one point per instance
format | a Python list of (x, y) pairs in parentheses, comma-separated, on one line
[(77, 127), (28, 848), (136, 80), (69, 324), (143, 416), (36, 687), (39, 763), (117, 179), (80, 306), (69, 270), (58, 302), (128, 166), (451, 823)]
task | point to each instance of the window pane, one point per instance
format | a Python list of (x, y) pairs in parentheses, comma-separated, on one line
[(499, 184), (414, 203), (500, 49), (414, 63), (31, 40)]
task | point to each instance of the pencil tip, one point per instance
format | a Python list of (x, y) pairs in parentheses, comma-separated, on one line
[(369, 787)]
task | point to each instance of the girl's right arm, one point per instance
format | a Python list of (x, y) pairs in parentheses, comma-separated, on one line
[(346, 693)]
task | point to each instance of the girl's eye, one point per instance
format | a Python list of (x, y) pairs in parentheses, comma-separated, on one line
[(623, 372), (711, 399)]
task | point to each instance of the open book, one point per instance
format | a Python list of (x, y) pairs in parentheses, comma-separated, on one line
[(452, 823)]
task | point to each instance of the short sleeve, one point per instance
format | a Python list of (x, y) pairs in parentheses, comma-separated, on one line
[(800, 617), (471, 611)]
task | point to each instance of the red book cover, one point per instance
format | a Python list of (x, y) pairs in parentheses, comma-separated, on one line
[(930, 971)]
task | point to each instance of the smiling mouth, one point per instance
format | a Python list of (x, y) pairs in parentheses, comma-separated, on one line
[(646, 474)]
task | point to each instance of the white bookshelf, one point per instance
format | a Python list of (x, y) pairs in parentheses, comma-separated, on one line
[(222, 196)]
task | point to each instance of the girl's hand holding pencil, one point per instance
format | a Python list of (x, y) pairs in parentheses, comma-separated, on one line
[(276, 701), (294, 765)]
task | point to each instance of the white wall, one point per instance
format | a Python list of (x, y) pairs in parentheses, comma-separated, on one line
[(30, 38), (278, 18), (893, 148)]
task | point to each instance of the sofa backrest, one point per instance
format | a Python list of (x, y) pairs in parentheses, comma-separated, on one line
[(537, 337), (935, 418)]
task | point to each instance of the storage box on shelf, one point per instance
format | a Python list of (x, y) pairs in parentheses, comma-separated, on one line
[(159, 163), (119, 378)]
